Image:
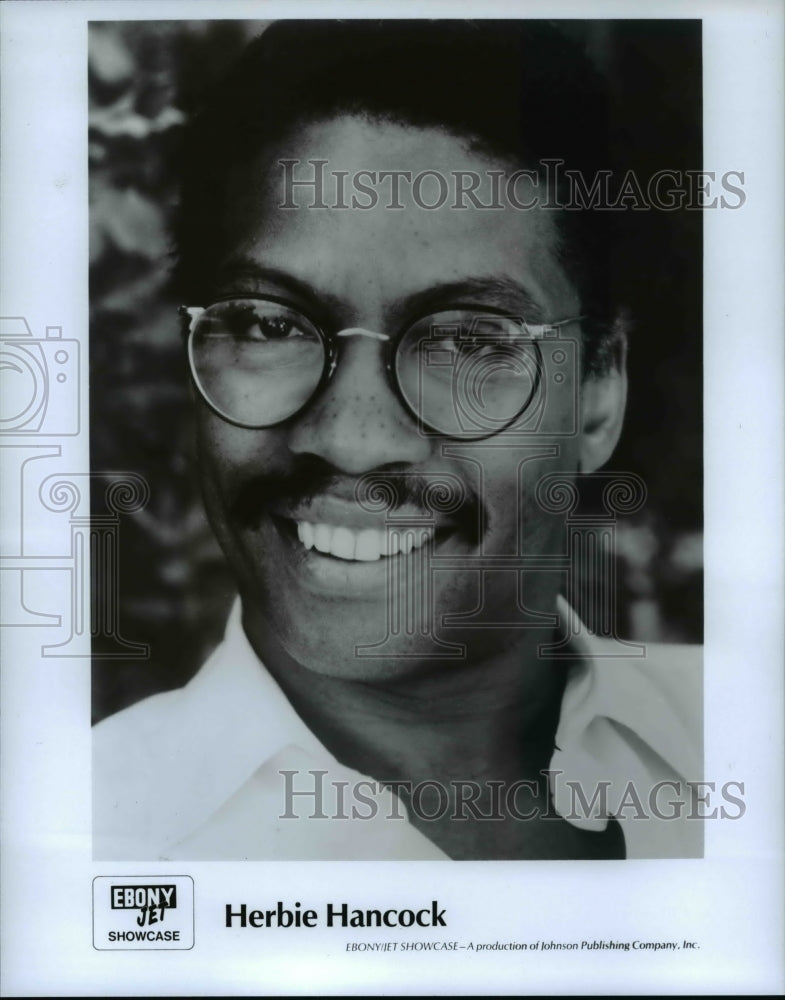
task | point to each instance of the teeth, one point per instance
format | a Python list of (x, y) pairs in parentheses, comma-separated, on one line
[(305, 533), (322, 536), (368, 545), (342, 543)]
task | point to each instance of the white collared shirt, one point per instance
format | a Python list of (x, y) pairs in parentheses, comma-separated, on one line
[(200, 773)]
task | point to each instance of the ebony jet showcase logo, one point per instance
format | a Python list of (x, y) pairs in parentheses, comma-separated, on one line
[(150, 900), (143, 912)]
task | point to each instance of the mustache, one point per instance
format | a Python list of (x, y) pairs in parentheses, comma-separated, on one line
[(386, 488)]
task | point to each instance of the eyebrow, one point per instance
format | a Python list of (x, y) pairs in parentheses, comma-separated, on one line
[(499, 291), (240, 267)]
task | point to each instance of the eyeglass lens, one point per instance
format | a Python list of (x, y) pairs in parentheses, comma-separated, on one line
[(258, 362)]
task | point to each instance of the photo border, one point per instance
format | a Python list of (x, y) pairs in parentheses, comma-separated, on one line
[(729, 903)]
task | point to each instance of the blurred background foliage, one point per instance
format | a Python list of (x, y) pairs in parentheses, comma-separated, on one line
[(175, 591)]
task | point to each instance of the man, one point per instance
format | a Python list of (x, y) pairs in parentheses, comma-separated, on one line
[(402, 347)]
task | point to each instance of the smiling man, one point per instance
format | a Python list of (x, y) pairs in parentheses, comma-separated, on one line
[(401, 342)]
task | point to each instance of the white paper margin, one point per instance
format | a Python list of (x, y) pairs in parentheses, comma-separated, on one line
[(730, 902)]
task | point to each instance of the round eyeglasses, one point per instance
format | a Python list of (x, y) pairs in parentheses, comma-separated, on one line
[(258, 362)]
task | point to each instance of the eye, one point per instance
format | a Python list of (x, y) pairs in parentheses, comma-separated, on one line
[(273, 328), (260, 322)]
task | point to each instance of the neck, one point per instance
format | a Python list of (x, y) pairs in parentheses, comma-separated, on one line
[(493, 717)]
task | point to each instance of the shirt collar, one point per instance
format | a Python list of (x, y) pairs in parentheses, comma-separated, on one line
[(608, 681), (234, 718)]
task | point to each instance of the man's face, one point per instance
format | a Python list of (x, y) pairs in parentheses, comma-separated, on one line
[(372, 269)]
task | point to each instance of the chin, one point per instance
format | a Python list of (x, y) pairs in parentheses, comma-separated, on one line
[(361, 645)]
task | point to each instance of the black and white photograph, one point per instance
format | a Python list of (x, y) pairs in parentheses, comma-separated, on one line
[(457, 627), (391, 480)]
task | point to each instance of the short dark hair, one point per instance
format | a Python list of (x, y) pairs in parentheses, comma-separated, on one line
[(521, 90)]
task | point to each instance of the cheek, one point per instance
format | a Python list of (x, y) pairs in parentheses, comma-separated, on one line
[(511, 477), (216, 454), (229, 457)]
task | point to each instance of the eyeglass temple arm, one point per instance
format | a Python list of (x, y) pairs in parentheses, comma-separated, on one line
[(539, 330)]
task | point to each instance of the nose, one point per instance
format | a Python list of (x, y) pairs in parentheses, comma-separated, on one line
[(357, 422)]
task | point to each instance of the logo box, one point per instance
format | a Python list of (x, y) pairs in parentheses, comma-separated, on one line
[(143, 913)]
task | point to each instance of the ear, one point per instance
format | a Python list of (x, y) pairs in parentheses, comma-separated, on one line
[(603, 400)]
